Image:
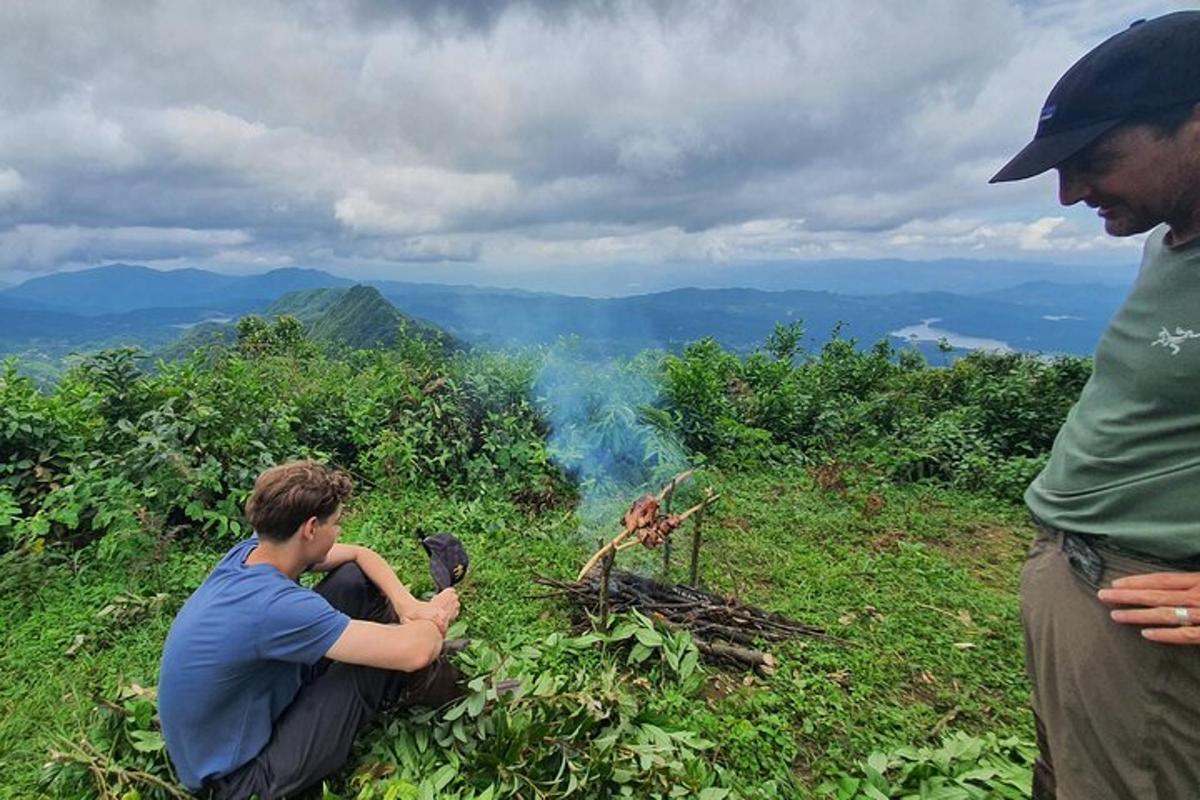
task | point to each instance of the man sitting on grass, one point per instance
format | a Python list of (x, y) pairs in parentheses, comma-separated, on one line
[(265, 683)]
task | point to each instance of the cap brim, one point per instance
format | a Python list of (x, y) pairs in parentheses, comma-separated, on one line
[(1050, 151)]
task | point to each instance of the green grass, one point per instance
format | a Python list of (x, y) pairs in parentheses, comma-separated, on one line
[(921, 581)]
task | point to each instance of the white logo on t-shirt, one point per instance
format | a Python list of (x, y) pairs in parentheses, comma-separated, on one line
[(1174, 340)]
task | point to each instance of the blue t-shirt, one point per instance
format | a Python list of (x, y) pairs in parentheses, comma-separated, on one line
[(233, 662)]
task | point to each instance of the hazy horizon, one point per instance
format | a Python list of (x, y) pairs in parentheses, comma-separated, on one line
[(844, 276)]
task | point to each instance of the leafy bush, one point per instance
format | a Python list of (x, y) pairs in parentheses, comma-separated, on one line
[(129, 458), (606, 427), (122, 754), (984, 423), (40, 435), (585, 723), (963, 768)]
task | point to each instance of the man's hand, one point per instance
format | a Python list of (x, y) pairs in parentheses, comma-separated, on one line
[(441, 610), (1165, 597)]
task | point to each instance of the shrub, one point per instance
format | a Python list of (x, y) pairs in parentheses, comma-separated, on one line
[(963, 767)]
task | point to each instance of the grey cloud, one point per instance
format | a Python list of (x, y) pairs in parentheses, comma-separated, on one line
[(438, 131), (417, 249), (39, 248)]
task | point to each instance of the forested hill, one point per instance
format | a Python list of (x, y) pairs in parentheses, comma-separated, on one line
[(354, 318), (359, 317)]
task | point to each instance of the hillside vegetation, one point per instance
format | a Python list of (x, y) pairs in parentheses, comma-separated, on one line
[(862, 491)]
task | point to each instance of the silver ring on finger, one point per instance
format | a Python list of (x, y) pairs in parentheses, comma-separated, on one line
[(1182, 615)]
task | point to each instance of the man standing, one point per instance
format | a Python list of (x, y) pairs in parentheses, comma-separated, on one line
[(1117, 712), (264, 683)]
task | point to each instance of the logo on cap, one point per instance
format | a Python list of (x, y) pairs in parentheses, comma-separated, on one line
[(1047, 112)]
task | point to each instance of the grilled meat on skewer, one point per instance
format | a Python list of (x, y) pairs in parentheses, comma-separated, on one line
[(655, 534), (643, 512)]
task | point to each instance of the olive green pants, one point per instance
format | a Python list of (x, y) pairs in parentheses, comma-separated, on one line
[(1118, 717)]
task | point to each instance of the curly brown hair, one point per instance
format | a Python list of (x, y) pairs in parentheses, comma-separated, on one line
[(287, 495)]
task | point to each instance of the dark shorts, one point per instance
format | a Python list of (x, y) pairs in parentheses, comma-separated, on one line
[(312, 738), (1118, 717)]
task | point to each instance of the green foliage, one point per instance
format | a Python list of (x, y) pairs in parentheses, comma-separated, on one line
[(963, 768), (786, 341), (984, 423), (257, 337), (586, 721), (129, 458), (40, 436), (122, 754), (607, 428)]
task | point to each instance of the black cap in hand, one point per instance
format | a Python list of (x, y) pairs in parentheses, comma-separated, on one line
[(447, 559)]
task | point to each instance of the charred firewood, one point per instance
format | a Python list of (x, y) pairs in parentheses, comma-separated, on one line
[(724, 629)]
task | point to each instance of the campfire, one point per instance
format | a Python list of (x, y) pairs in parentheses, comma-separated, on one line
[(724, 630)]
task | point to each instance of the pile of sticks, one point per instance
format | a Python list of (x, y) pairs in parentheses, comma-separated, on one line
[(724, 630)]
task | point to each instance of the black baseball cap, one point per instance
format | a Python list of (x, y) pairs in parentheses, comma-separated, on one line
[(448, 560), (1153, 65)]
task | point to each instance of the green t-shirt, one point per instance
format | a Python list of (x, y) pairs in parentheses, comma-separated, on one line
[(1127, 461)]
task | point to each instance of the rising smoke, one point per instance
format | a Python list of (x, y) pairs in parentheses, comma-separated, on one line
[(608, 431)]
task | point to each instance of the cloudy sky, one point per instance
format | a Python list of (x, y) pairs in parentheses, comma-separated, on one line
[(400, 139)]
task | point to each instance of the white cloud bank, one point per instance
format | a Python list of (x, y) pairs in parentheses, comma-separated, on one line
[(242, 134)]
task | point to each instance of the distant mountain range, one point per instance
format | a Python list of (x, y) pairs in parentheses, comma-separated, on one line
[(48, 317), (118, 288), (840, 276)]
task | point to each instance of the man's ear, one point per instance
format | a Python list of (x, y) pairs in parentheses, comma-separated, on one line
[(308, 528)]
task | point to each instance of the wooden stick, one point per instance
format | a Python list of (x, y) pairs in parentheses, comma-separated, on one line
[(625, 533), (605, 570), (669, 489), (697, 533), (666, 565), (604, 551), (743, 655), (703, 504)]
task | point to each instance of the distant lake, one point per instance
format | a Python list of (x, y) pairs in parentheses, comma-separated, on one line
[(925, 332), (186, 325)]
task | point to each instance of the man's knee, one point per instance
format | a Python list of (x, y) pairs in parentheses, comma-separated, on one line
[(349, 590), (349, 574)]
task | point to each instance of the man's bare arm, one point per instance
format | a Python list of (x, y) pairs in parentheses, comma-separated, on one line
[(408, 647), (442, 610), (378, 572)]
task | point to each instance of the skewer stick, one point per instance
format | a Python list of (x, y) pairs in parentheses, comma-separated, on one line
[(666, 564), (669, 489), (696, 534), (603, 551), (624, 534), (703, 504), (618, 542)]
